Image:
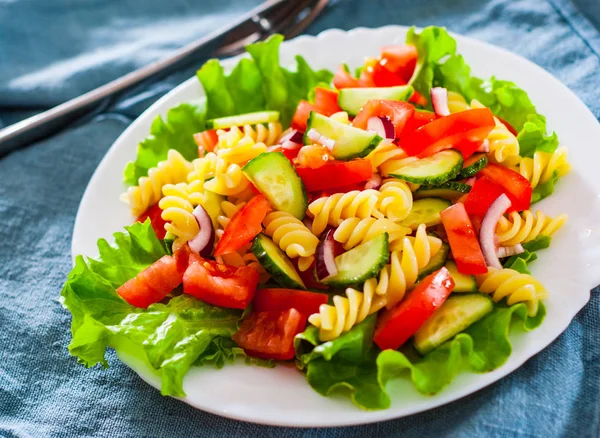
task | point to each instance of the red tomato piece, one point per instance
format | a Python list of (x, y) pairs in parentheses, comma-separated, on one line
[(463, 240), (418, 99), (156, 281), (400, 60), (448, 132), (301, 115), (290, 154), (380, 76), (398, 112), (207, 140), (269, 300), (270, 335), (158, 223), (396, 325), (327, 101), (516, 186), (220, 285), (482, 194), (244, 226), (335, 174), (343, 79)]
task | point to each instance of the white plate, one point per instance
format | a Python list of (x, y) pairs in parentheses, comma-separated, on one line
[(281, 396)]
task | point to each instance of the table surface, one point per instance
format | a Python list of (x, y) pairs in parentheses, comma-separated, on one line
[(53, 51)]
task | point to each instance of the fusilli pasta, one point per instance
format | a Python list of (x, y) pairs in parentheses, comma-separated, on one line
[(504, 146), (235, 147), (396, 199), (525, 226), (218, 175), (542, 166), (177, 205), (354, 231), (149, 189), (389, 158), (456, 102), (514, 286), (292, 236)]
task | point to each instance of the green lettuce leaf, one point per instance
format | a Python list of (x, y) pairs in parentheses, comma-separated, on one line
[(519, 262), (533, 137), (544, 190), (335, 366), (174, 132), (169, 337)]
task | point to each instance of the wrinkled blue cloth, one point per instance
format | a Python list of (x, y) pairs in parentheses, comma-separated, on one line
[(53, 51)]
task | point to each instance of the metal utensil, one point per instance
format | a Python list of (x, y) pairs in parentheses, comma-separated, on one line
[(289, 17)]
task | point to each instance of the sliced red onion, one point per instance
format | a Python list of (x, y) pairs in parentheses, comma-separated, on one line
[(383, 126), (308, 222), (508, 251), (288, 144), (484, 147), (314, 135), (203, 242), (293, 135), (439, 100), (487, 232), (325, 256), (374, 182)]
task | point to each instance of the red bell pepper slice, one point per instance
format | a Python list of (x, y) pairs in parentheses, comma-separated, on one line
[(269, 300), (400, 60), (418, 119), (516, 186), (244, 226), (327, 101), (335, 174), (396, 325), (448, 132), (343, 79), (482, 194), (463, 240), (270, 335), (398, 112)]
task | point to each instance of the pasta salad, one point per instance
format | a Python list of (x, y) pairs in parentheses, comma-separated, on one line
[(360, 223)]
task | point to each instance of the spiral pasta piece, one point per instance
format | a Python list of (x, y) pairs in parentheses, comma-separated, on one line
[(243, 257), (456, 102), (389, 158), (526, 226), (236, 147), (149, 189), (355, 231), (226, 179), (334, 209), (542, 166), (514, 286), (504, 146), (396, 199), (261, 133), (292, 236), (177, 206)]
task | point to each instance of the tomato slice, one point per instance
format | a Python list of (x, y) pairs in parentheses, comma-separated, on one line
[(379, 75), (398, 112), (463, 240), (516, 186), (307, 303), (335, 174), (207, 140), (156, 281), (244, 226), (327, 101), (270, 335), (343, 79), (400, 60), (482, 194), (220, 285), (290, 154), (449, 132), (301, 115), (396, 325), (158, 223)]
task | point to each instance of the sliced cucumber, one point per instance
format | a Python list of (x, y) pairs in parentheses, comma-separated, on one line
[(243, 119), (273, 174), (462, 282), (426, 211), (456, 314), (361, 262), (472, 165), (168, 242), (436, 169), (352, 100), (436, 262), (448, 190), (350, 142), (276, 262)]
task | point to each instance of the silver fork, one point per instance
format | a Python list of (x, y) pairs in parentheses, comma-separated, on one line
[(289, 17)]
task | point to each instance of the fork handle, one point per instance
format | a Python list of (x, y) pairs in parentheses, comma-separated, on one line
[(48, 122)]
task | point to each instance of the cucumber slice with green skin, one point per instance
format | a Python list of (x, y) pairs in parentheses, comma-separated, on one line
[(352, 100), (276, 262), (243, 119), (426, 211), (168, 242), (433, 170), (274, 176), (448, 190), (462, 282), (436, 262), (360, 263), (472, 165), (350, 142), (456, 314)]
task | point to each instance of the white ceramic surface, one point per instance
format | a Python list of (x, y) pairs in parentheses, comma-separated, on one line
[(281, 396)]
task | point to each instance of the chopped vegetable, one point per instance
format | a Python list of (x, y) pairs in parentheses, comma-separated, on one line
[(270, 300), (335, 174)]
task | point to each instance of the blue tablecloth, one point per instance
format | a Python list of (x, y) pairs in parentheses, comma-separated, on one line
[(54, 50)]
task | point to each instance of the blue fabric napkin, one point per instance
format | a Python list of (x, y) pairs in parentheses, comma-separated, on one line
[(52, 51)]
